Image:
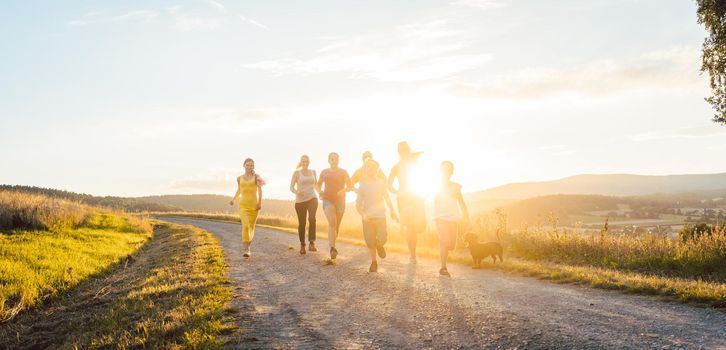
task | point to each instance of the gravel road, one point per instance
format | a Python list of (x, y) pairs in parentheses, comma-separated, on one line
[(288, 300)]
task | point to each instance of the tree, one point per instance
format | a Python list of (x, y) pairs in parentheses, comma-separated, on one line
[(712, 14)]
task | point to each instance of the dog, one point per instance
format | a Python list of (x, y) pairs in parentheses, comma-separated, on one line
[(479, 251)]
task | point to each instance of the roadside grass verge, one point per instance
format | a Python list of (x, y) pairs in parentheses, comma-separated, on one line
[(549, 260), (37, 265), (172, 294)]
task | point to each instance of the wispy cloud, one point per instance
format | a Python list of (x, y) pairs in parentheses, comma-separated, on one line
[(701, 132), (185, 22), (409, 53), (221, 8), (480, 4), (132, 16), (253, 22), (673, 68)]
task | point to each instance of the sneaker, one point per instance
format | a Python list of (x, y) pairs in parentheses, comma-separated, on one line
[(247, 253), (302, 249), (374, 267), (412, 260), (312, 248), (444, 272), (333, 253), (381, 250)]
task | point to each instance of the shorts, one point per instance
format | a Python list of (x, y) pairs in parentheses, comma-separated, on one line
[(412, 211), (374, 232), (339, 206), (448, 230)]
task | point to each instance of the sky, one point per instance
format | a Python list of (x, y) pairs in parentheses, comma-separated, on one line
[(151, 97)]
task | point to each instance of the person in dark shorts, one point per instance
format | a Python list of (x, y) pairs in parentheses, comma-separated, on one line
[(371, 204), (410, 205)]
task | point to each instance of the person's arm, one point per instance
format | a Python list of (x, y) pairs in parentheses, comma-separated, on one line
[(259, 196), (355, 178), (391, 178), (293, 182), (315, 181), (236, 194), (359, 206), (319, 183), (390, 205), (462, 206)]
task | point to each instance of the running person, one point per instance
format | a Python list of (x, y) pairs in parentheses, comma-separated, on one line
[(302, 185), (410, 205), (371, 204), (249, 189), (337, 183), (359, 173), (449, 210)]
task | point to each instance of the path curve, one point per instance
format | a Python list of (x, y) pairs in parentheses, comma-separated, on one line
[(288, 300)]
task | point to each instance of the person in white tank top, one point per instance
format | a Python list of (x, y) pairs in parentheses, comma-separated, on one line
[(303, 185), (449, 211)]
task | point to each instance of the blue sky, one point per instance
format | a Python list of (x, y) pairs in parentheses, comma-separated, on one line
[(152, 97)]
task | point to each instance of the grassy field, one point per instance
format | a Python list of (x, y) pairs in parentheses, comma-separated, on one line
[(172, 294), (689, 271), (48, 246), (75, 276)]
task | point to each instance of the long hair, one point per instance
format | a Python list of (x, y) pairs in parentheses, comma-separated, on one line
[(299, 164)]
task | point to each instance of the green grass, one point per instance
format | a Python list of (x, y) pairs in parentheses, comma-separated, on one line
[(172, 294), (36, 265)]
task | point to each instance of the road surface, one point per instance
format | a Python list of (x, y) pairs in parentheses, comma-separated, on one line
[(287, 300)]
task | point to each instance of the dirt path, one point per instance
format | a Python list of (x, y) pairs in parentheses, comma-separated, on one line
[(291, 301)]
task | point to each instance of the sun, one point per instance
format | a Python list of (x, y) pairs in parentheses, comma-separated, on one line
[(424, 178)]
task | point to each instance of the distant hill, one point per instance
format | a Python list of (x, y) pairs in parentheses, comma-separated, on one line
[(573, 207), (213, 203), (120, 203), (608, 185)]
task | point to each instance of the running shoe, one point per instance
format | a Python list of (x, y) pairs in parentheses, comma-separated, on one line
[(444, 272), (247, 253), (374, 267), (312, 247), (302, 249), (333, 253), (381, 250), (412, 260)]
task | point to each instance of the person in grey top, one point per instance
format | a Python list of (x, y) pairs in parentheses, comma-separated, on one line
[(306, 201), (371, 204)]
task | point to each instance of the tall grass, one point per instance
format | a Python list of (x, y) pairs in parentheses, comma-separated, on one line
[(50, 245), (25, 211), (702, 257)]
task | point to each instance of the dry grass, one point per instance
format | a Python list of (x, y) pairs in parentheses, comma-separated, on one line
[(702, 257), (24, 211)]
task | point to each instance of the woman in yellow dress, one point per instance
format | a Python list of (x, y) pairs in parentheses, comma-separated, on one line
[(249, 189)]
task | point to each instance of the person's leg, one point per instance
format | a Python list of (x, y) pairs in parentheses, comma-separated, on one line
[(312, 222), (300, 210), (331, 216), (340, 210), (369, 235), (443, 227)]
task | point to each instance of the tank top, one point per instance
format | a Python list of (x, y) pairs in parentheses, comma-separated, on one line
[(305, 187), (446, 206), (248, 200), (334, 181)]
